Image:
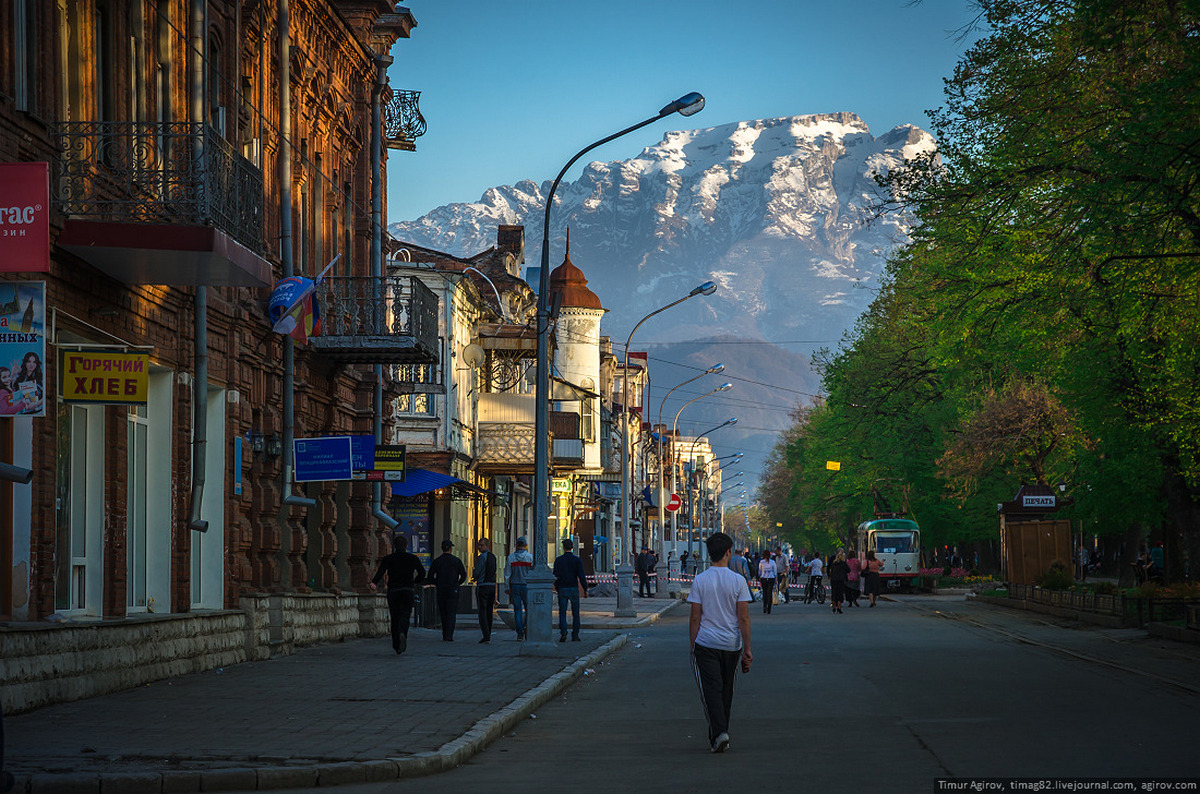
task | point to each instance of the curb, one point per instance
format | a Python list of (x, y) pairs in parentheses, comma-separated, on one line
[(448, 756)]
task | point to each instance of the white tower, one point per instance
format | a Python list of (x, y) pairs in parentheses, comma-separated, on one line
[(577, 357)]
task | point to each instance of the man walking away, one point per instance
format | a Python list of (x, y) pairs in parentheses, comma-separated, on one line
[(447, 574), (516, 568), (645, 564), (569, 582), (404, 572), (484, 577), (719, 632), (783, 567), (738, 564)]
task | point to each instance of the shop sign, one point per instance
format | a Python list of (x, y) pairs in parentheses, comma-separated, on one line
[(560, 485), (1031, 501), (24, 217), (104, 377), (22, 348)]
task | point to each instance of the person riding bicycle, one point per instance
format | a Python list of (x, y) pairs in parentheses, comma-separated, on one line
[(815, 567)]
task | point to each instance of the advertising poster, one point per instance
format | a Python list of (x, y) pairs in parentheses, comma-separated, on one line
[(414, 522), (22, 348)]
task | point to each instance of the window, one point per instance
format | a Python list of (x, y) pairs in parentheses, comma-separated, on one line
[(25, 52), (81, 539), (216, 112)]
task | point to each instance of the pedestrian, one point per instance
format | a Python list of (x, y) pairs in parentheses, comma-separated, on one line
[(570, 583), (484, 576), (783, 566), (683, 561), (738, 564), (516, 568), (838, 571), (815, 572), (719, 631), (767, 574), (873, 568), (853, 579), (404, 572), (447, 574), (644, 565)]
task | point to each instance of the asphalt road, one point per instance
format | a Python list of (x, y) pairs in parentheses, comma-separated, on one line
[(886, 699)]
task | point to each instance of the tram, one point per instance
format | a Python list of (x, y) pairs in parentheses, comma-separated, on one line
[(897, 544)]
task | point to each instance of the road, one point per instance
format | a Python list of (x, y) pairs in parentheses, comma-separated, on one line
[(886, 699)]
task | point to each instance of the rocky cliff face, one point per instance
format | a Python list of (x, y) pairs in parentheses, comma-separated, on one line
[(777, 211)]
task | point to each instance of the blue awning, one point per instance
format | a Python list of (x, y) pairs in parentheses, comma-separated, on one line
[(419, 481)]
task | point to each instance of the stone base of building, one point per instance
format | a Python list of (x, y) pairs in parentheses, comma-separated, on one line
[(45, 663)]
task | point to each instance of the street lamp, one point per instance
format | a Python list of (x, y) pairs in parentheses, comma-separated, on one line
[(624, 569), (674, 430), (714, 369), (540, 580), (692, 457)]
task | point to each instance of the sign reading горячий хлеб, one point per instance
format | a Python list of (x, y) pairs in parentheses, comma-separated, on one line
[(104, 377)]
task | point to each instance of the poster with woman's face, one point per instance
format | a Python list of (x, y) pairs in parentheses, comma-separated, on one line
[(22, 348)]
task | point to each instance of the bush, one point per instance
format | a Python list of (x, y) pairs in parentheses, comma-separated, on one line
[(1057, 577)]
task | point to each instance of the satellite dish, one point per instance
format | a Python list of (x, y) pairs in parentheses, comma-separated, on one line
[(472, 355)]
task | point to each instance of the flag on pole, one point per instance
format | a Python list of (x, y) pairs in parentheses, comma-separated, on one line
[(294, 310), (648, 497)]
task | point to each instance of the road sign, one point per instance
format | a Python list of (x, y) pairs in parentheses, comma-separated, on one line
[(674, 503), (323, 458)]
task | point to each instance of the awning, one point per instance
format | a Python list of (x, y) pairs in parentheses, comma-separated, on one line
[(421, 481)]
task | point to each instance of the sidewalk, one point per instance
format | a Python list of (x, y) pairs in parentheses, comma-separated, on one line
[(343, 713)]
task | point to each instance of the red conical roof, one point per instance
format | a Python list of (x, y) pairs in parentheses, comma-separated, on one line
[(569, 282)]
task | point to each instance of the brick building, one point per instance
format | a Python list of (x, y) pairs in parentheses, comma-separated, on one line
[(171, 154)]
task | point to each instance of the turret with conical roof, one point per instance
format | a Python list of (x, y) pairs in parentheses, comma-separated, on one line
[(577, 352)]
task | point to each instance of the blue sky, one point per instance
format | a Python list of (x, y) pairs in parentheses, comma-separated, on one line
[(511, 91)]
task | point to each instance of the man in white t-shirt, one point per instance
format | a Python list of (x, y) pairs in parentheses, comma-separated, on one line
[(720, 636)]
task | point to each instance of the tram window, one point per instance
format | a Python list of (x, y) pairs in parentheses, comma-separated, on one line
[(894, 544)]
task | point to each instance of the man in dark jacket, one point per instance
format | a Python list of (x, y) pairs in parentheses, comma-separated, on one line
[(447, 574), (646, 563), (404, 571), (569, 583), (484, 577)]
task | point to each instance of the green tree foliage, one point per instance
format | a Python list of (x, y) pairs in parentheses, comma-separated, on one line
[(1042, 324)]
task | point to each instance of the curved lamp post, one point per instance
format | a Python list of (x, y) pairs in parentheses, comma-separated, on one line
[(541, 581), (674, 431), (624, 568), (714, 369), (692, 456)]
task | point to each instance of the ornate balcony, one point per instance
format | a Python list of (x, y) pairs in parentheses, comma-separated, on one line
[(402, 121), (386, 320), (160, 203), (506, 433)]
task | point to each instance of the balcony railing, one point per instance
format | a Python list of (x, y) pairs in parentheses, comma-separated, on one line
[(402, 121), (385, 320), (149, 172)]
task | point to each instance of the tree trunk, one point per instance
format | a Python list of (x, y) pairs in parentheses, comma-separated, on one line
[(1181, 529)]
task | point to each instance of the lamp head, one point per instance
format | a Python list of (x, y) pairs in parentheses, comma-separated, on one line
[(686, 105), (732, 421), (707, 288), (714, 369), (724, 387)]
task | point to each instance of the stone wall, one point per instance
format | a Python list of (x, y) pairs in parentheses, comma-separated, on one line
[(41, 664)]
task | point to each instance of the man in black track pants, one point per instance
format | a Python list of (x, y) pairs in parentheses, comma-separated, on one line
[(720, 636), (404, 572)]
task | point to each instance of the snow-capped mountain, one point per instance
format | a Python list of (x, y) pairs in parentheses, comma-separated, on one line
[(778, 212)]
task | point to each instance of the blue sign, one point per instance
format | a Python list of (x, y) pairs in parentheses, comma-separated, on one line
[(324, 458), (362, 452)]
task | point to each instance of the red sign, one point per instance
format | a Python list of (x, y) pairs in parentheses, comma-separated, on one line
[(25, 217), (674, 503)]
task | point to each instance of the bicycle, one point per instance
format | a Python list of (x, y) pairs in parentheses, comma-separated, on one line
[(815, 590)]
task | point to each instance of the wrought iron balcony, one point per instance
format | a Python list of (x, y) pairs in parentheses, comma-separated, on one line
[(505, 434), (385, 320), (402, 121), (175, 172)]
